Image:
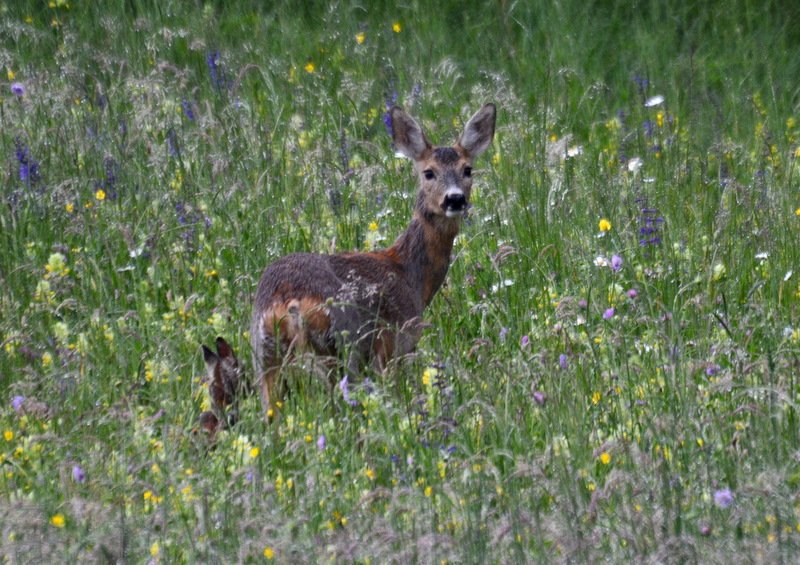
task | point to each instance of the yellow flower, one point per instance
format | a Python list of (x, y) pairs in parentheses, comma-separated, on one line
[(69, 208), (797, 211), (309, 67), (596, 397), (605, 225), (371, 474), (254, 452), (396, 27), (428, 491), (9, 435), (100, 195), (147, 494), (57, 520), (154, 549), (373, 226), (11, 74), (605, 458), (268, 552), (360, 38)]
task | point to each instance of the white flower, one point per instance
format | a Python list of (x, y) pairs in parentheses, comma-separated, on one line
[(762, 256), (654, 101), (788, 331), (574, 151), (634, 164), (600, 261), (788, 275)]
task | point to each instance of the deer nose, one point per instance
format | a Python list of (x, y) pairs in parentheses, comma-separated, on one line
[(454, 203)]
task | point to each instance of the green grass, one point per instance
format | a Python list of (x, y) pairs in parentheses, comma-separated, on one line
[(164, 153)]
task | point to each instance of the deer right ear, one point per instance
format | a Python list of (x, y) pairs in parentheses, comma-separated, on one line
[(479, 131), (408, 137)]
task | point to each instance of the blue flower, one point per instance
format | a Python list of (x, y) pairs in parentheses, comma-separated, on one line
[(78, 474), (723, 498)]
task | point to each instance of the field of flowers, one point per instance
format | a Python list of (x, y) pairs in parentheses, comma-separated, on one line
[(611, 369)]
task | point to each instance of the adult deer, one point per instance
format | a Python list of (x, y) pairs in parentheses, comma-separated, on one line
[(367, 307)]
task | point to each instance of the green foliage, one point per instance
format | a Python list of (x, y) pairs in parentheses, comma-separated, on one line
[(610, 372)]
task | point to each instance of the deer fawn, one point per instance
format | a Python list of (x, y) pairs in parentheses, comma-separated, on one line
[(367, 307), (223, 376)]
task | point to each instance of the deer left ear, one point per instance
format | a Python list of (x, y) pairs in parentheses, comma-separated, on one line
[(479, 131)]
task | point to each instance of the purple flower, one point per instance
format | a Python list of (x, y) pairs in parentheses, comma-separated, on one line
[(608, 313), (538, 398), (503, 332), (562, 360), (16, 403), (723, 498), (17, 89), (712, 370), (524, 341), (321, 442), (616, 262), (78, 474), (582, 304), (632, 294), (249, 477), (345, 392)]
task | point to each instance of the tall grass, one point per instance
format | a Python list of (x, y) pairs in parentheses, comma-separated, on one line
[(611, 367)]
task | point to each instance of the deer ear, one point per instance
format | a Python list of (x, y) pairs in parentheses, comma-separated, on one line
[(479, 131), (224, 349), (209, 357), (407, 135)]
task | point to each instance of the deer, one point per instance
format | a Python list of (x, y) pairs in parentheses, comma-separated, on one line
[(223, 373), (366, 308)]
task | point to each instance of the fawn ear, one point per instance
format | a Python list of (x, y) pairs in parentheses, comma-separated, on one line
[(479, 131), (407, 135), (210, 358), (224, 350)]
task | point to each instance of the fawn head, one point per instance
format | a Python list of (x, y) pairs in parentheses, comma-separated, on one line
[(445, 173)]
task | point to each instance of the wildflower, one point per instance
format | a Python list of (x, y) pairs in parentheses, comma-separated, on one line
[(605, 458), (600, 261), (503, 332), (562, 360), (309, 67), (654, 101), (634, 164), (345, 392), (396, 27), (712, 370), (360, 38), (78, 474), (16, 403), (373, 226), (616, 262), (608, 313), (321, 443), (100, 195), (254, 452), (9, 435), (58, 520), (574, 151), (723, 498), (524, 341), (538, 398), (28, 168), (605, 225), (18, 89), (154, 549), (187, 110), (268, 553), (632, 294)]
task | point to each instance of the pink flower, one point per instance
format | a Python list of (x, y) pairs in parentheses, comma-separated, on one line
[(608, 314)]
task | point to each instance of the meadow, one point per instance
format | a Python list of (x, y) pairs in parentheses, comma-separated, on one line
[(611, 368)]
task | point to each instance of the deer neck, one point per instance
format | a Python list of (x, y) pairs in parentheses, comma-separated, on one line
[(423, 251)]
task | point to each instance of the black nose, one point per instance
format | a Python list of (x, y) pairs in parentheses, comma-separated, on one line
[(454, 201)]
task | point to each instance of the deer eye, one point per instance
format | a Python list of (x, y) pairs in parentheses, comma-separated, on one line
[(467, 171), (429, 174)]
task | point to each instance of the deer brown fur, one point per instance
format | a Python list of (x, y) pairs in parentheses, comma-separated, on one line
[(367, 307)]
